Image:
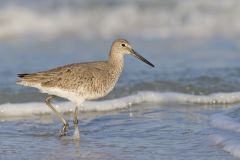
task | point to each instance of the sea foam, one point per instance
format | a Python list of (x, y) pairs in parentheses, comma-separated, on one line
[(88, 20), (32, 108), (228, 143), (229, 128)]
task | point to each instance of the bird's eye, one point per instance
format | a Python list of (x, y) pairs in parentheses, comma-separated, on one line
[(123, 45)]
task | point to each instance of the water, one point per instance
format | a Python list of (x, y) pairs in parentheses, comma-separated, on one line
[(187, 107), (107, 18)]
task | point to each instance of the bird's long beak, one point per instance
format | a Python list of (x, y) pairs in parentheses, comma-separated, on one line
[(138, 56)]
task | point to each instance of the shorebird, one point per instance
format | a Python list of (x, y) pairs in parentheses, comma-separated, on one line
[(81, 81)]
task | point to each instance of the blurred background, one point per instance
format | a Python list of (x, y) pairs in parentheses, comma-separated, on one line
[(194, 44), (153, 19)]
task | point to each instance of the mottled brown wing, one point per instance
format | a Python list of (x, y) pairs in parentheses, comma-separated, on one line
[(69, 76)]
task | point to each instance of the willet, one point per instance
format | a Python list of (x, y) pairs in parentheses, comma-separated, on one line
[(81, 81)]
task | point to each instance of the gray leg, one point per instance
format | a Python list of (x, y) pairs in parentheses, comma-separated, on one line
[(63, 131), (75, 117), (76, 134)]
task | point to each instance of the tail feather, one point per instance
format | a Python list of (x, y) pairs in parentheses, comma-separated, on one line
[(22, 75)]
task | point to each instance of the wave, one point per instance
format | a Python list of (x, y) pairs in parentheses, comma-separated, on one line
[(229, 127), (225, 122), (154, 19), (228, 143), (32, 108)]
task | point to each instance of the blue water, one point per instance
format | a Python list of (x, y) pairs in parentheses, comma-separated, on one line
[(152, 132), (142, 131), (159, 123)]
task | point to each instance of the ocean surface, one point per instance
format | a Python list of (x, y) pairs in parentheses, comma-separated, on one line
[(187, 107)]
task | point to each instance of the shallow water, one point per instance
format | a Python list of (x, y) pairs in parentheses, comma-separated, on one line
[(152, 132), (187, 107), (167, 112)]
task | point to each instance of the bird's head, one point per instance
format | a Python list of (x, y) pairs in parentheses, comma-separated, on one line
[(123, 47)]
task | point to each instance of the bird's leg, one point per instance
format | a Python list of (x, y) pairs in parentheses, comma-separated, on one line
[(76, 134), (75, 116), (63, 131)]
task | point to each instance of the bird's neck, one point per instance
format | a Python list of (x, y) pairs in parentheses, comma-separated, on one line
[(116, 60)]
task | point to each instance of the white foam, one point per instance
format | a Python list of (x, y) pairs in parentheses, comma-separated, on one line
[(228, 143), (184, 18), (120, 103), (228, 136)]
